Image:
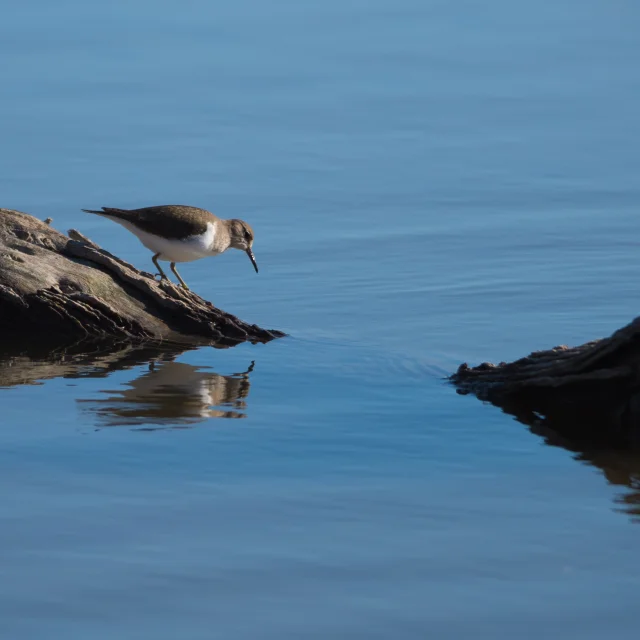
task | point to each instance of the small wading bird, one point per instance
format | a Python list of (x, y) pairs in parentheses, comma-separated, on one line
[(175, 233)]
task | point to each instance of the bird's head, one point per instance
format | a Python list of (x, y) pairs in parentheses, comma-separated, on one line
[(241, 237)]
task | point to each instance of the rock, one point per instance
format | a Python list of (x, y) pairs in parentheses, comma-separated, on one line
[(68, 287), (589, 393)]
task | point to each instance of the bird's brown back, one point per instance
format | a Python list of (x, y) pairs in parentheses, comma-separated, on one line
[(167, 221)]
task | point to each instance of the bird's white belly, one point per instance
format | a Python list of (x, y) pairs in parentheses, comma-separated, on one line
[(171, 250)]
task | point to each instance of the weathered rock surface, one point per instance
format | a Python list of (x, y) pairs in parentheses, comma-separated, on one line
[(58, 286)]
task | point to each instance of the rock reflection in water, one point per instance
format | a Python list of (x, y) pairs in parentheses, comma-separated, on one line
[(619, 466), (173, 395)]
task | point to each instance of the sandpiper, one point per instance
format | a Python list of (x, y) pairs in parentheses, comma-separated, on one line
[(176, 233)]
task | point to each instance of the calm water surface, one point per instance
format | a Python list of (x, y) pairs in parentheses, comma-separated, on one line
[(429, 183)]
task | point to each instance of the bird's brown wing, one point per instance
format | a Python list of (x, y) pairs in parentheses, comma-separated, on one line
[(168, 221)]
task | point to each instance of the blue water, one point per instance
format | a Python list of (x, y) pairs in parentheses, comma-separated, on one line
[(429, 183)]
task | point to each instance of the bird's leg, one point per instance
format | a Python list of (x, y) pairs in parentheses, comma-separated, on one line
[(182, 282), (163, 275)]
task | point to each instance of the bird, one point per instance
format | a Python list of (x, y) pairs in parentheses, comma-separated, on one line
[(179, 233)]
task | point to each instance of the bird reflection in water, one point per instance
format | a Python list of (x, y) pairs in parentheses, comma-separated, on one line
[(173, 395)]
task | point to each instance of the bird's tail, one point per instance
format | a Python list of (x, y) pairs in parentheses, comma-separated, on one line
[(109, 211)]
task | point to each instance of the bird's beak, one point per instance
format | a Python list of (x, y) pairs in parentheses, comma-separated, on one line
[(253, 259)]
